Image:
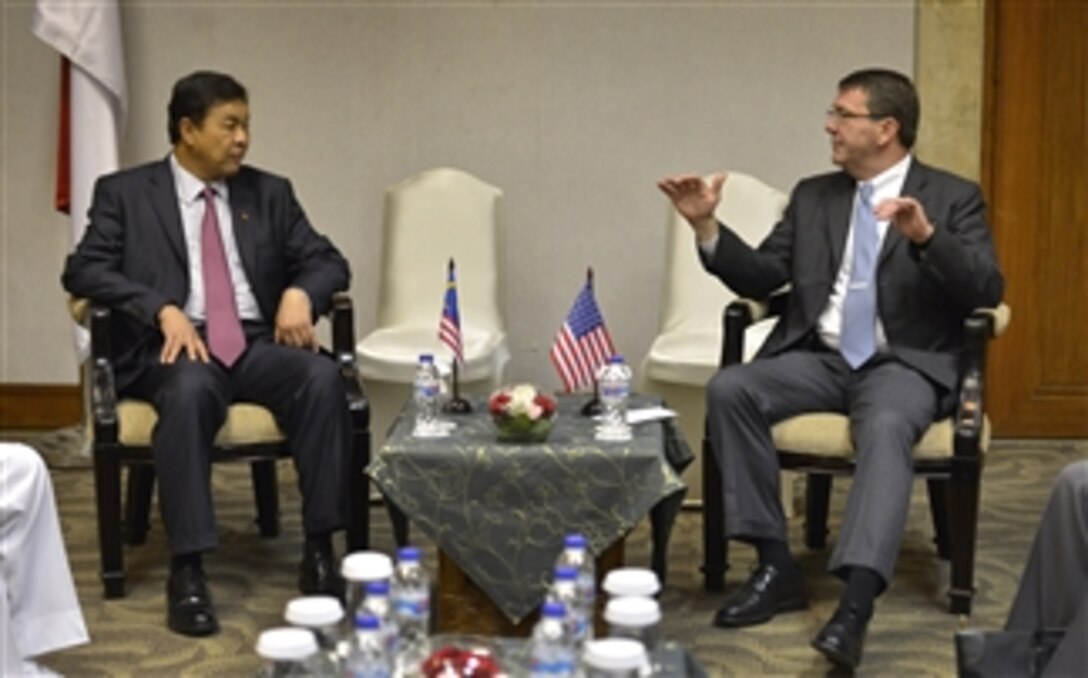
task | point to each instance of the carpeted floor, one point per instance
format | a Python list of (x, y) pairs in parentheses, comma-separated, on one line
[(252, 579)]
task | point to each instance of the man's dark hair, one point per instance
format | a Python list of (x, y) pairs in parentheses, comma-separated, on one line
[(197, 92), (891, 95)]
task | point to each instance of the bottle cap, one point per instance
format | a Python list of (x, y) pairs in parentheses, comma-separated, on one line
[(565, 572), (553, 609), (575, 541), (631, 581), (286, 644), (615, 654), (634, 611), (409, 554), (379, 587), (367, 621), (426, 358), (311, 611), (616, 359), (366, 566)]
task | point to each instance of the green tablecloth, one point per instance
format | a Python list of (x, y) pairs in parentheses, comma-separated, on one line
[(501, 510)]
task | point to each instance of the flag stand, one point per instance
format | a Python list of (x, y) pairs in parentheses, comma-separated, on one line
[(593, 407), (456, 404)]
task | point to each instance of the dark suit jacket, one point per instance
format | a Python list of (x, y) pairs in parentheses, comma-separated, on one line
[(133, 258), (923, 294)]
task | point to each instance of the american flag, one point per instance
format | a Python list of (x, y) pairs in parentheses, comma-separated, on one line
[(582, 344), (449, 328)]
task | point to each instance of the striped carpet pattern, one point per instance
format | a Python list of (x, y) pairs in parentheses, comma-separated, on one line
[(252, 578)]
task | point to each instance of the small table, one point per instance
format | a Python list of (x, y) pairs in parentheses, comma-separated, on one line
[(499, 511)]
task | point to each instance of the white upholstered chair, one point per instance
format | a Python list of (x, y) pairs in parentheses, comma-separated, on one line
[(429, 218), (687, 349)]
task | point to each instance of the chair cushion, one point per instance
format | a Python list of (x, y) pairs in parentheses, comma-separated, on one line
[(246, 424), (828, 435)]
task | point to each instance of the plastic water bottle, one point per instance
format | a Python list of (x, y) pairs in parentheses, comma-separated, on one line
[(576, 554), (321, 615), (564, 590), (288, 652), (378, 604), (411, 609), (103, 396), (551, 649), (425, 391), (614, 384), (367, 657)]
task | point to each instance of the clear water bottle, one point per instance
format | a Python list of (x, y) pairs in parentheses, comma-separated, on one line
[(379, 604), (411, 609), (576, 554), (103, 395), (564, 590), (288, 652), (368, 657), (321, 615), (551, 649), (614, 384), (426, 388)]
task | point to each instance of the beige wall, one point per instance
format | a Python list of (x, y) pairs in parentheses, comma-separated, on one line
[(574, 109)]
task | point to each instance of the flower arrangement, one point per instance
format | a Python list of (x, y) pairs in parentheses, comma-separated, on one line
[(521, 413)]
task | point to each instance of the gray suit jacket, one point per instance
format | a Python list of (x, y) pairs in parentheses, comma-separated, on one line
[(133, 258), (923, 295)]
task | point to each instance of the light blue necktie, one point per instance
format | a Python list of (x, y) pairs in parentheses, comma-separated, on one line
[(857, 342)]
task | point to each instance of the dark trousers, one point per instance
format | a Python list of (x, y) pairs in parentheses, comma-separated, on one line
[(890, 406), (303, 391)]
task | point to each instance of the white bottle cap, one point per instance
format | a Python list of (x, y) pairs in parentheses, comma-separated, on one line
[(631, 581), (313, 611), (286, 644), (366, 566), (633, 611), (615, 654)]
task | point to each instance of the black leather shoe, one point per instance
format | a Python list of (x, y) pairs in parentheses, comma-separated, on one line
[(766, 593), (190, 611), (842, 637), (317, 575)]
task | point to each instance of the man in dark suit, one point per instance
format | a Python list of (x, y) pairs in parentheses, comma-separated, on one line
[(215, 277), (884, 259)]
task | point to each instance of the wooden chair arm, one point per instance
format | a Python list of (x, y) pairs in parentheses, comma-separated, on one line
[(736, 318), (982, 325)]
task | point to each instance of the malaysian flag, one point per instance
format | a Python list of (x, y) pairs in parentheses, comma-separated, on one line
[(582, 344), (449, 328)]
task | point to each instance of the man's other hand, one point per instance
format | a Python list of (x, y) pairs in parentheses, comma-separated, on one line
[(696, 198), (908, 216), (178, 334), (294, 320)]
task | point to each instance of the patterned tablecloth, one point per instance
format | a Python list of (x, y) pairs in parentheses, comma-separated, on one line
[(500, 510)]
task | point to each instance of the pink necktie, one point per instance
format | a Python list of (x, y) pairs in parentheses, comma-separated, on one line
[(225, 337)]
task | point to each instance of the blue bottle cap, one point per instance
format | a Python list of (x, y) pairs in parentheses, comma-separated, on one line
[(409, 554), (426, 358), (565, 572), (575, 540), (616, 359), (553, 609), (365, 620), (378, 587)]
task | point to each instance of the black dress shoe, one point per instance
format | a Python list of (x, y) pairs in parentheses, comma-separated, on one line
[(842, 637), (317, 575), (190, 610), (766, 593)]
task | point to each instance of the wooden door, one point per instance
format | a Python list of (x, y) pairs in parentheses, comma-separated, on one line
[(1035, 172)]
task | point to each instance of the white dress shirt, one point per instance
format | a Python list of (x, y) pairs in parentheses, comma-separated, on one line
[(190, 193), (887, 184)]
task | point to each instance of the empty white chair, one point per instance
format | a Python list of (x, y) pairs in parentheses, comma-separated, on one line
[(686, 351), (429, 218)]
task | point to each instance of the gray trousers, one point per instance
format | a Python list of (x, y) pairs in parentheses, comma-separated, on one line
[(890, 406), (1053, 591), (305, 394)]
